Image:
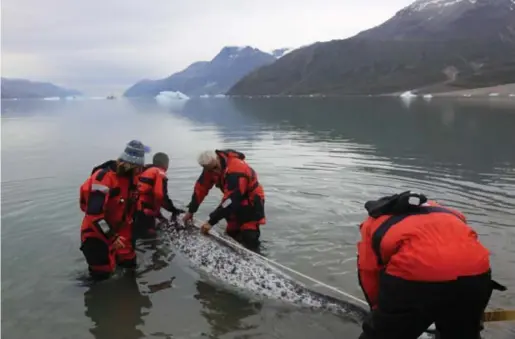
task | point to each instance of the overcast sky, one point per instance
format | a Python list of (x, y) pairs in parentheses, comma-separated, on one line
[(106, 46)]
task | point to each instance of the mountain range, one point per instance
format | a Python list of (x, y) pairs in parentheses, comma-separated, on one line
[(210, 77), (430, 45), (22, 88)]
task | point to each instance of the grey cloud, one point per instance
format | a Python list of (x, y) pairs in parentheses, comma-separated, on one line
[(111, 44)]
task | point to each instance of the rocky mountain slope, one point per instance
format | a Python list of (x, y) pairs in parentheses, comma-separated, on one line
[(450, 43), (208, 77)]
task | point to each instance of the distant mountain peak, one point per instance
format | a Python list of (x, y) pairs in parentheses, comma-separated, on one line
[(228, 66), (449, 19), (443, 5), (236, 48), (233, 52), (421, 5)]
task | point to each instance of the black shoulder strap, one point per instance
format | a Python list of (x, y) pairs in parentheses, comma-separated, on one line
[(146, 180), (380, 232), (100, 175)]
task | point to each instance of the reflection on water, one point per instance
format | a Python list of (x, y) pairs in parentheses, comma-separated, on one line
[(160, 255), (225, 311), (117, 308), (232, 125), (446, 133), (319, 161)]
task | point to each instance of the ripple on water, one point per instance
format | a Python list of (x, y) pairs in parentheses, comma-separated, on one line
[(317, 174)]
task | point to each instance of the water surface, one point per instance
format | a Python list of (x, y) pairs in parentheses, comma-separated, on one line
[(319, 161)]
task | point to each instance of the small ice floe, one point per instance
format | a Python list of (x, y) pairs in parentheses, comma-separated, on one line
[(427, 97), (407, 97)]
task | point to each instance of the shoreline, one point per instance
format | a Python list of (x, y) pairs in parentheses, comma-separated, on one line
[(499, 91), (504, 91)]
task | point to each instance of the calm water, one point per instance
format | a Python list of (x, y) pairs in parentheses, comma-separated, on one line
[(319, 161)]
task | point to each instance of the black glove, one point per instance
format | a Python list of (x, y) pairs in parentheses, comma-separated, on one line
[(496, 286)]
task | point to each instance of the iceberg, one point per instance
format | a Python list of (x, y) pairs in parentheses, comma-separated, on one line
[(171, 95), (171, 99), (408, 94), (407, 97)]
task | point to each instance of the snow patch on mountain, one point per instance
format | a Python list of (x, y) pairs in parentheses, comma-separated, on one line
[(420, 5), (238, 48), (280, 52)]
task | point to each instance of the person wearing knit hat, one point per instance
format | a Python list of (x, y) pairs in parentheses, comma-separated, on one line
[(134, 153), (108, 198), (132, 159)]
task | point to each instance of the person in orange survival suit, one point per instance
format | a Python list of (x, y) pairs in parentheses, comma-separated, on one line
[(420, 263), (243, 202), (152, 195), (108, 200)]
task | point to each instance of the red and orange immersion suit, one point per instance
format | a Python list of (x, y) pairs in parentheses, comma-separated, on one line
[(152, 185), (243, 202), (419, 265), (107, 201)]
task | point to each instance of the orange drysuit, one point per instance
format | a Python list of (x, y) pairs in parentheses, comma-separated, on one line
[(152, 195), (431, 243), (420, 263), (243, 199), (107, 200), (153, 192)]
